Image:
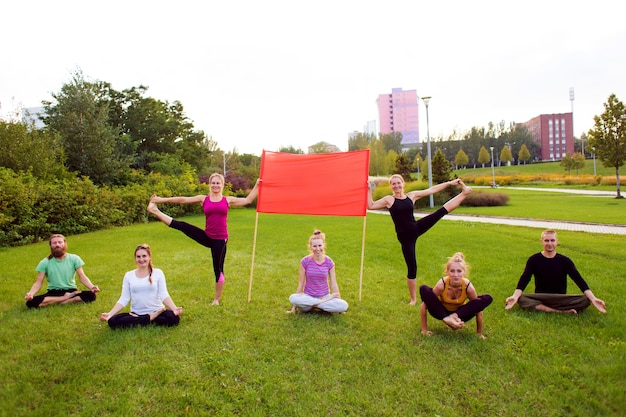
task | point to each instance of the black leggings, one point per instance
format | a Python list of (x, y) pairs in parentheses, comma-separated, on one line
[(86, 296), (217, 246), (408, 238), (166, 318), (466, 312)]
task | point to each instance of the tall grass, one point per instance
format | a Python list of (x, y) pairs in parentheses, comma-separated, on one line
[(252, 359)]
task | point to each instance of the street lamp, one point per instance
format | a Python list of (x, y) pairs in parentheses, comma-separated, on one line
[(593, 150), (430, 167), (493, 175)]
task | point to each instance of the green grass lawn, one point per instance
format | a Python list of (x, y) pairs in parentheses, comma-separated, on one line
[(252, 359)]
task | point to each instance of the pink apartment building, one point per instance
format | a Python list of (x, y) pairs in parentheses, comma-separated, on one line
[(398, 112), (555, 134)]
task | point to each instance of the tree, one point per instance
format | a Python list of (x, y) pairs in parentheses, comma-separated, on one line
[(290, 149), (608, 136), (25, 148), (441, 167), (506, 154), (359, 141), (392, 142), (377, 158), (461, 158), (523, 154), (404, 166), (578, 161), (88, 139), (483, 156), (567, 162)]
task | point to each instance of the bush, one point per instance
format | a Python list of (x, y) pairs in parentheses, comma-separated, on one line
[(480, 199)]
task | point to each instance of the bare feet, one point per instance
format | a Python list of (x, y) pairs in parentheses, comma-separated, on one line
[(152, 207), (292, 311), (156, 314), (427, 332), (215, 302), (412, 302), (453, 322)]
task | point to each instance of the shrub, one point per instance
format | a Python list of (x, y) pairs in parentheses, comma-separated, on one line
[(480, 199)]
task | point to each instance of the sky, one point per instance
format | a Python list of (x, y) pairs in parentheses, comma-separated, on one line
[(260, 75)]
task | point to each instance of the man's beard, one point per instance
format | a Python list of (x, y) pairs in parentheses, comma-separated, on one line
[(58, 252)]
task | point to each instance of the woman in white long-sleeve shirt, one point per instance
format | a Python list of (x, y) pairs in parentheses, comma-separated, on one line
[(146, 290)]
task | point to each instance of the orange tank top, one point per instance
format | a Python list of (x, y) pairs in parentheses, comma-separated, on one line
[(452, 304)]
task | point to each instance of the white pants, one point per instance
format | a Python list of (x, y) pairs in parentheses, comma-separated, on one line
[(305, 303)]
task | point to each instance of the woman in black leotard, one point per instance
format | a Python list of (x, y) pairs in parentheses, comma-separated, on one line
[(408, 229)]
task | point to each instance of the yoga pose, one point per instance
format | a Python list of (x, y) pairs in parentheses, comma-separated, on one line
[(448, 300), (551, 270), (408, 229), (60, 268), (146, 287), (215, 233), (316, 270)]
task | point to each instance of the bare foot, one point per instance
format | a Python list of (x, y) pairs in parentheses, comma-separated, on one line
[(482, 336), (453, 322), (156, 314), (466, 189), (427, 332), (152, 207), (215, 302), (412, 302), (292, 311)]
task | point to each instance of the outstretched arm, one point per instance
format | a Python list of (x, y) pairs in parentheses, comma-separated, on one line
[(177, 200), (384, 202), (414, 195), (169, 303), (244, 201), (116, 309)]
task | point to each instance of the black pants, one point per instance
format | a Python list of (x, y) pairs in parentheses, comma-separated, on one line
[(86, 296), (408, 239), (217, 246), (166, 318), (466, 312)]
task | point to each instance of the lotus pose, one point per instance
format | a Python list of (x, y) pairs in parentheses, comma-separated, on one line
[(60, 268), (551, 270), (146, 287), (316, 270)]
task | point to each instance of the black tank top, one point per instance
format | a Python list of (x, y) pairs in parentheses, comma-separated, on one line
[(402, 214)]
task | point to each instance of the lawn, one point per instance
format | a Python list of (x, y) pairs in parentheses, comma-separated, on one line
[(252, 359)]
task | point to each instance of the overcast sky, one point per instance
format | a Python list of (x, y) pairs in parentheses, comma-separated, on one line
[(258, 75)]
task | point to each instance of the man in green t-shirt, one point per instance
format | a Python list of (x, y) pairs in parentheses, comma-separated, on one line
[(59, 268)]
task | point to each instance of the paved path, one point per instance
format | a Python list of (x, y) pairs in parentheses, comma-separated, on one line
[(541, 224)]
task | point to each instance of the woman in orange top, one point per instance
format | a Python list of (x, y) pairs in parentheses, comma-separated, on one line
[(448, 300)]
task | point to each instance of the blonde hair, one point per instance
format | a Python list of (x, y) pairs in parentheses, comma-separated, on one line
[(220, 176), (457, 258), (396, 176), (317, 234)]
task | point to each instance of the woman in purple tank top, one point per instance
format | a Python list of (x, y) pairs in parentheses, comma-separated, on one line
[(215, 233)]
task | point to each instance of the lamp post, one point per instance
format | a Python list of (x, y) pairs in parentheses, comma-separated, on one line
[(593, 150), (493, 175), (430, 167), (418, 162)]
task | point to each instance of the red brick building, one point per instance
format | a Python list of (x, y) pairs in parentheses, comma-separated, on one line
[(555, 134)]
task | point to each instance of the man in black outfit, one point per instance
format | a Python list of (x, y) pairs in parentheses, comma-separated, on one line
[(551, 270)]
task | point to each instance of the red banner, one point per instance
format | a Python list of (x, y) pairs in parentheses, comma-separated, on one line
[(330, 184)]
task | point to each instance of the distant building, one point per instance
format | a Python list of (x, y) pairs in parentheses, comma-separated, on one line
[(554, 133), (370, 127), (31, 115), (398, 112), (327, 146)]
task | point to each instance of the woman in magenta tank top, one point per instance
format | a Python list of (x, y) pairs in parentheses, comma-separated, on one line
[(215, 233)]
